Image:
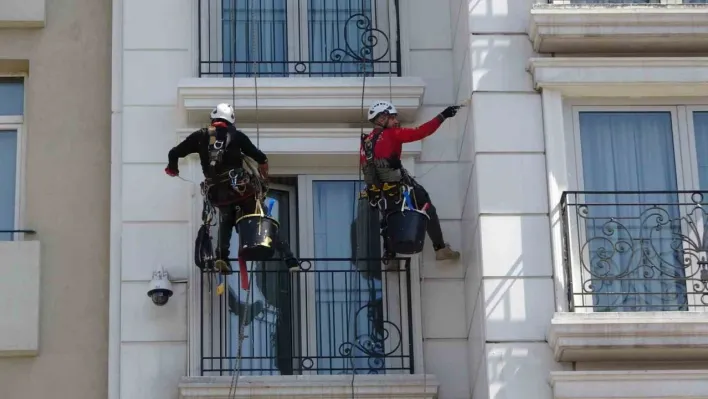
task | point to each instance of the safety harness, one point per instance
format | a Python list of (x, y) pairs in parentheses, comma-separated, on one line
[(238, 178), (381, 194)]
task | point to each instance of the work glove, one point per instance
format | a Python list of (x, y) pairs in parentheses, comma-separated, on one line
[(449, 112), (263, 170), (171, 171)]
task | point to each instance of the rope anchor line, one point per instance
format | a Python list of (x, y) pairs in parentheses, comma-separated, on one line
[(259, 195)]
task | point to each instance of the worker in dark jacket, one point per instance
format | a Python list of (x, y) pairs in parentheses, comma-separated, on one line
[(384, 146), (230, 185)]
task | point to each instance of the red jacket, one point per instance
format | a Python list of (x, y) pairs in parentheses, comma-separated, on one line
[(390, 142)]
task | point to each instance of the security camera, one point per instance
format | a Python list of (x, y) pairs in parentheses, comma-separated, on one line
[(160, 287)]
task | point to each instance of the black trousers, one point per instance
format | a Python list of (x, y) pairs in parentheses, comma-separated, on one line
[(228, 215), (421, 197)]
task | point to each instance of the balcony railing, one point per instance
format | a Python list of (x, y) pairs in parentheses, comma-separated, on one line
[(298, 38), (631, 251), (627, 2), (325, 317)]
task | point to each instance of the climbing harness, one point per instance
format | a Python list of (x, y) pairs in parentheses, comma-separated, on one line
[(217, 146)]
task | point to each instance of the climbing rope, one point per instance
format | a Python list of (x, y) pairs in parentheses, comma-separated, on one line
[(354, 208), (362, 134), (260, 194)]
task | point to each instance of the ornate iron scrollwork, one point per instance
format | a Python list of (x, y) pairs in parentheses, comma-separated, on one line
[(644, 256), (368, 38), (381, 339)]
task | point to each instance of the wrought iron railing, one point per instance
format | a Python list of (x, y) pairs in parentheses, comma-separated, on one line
[(631, 251), (325, 317), (298, 37), (628, 2)]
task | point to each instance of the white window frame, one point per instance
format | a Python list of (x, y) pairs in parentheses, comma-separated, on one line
[(303, 214), (211, 43), (684, 155), (17, 123)]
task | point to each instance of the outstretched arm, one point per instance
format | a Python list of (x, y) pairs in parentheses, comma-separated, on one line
[(190, 145), (408, 135)]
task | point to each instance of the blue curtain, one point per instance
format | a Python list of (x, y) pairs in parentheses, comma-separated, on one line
[(700, 130), (332, 36), (271, 37), (630, 242), (346, 301), (8, 179)]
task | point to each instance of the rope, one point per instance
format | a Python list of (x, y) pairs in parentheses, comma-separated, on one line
[(356, 203), (242, 318), (363, 122), (241, 338)]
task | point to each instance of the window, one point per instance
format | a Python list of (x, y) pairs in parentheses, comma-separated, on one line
[(11, 112), (330, 316), (298, 37), (636, 228)]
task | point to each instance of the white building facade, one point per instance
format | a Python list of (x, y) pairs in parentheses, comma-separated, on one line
[(560, 292)]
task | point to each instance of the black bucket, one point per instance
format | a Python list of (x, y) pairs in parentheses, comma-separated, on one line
[(257, 235), (406, 231)]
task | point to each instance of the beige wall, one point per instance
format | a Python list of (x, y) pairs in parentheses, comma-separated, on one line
[(67, 196)]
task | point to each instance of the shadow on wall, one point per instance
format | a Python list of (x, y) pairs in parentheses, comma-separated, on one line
[(519, 304), (515, 369), (499, 45), (500, 16)]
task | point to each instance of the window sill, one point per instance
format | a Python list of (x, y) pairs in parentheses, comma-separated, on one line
[(644, 336), (311, 141), (300, 99), (565, 28), (23, 14), (674, 384), (312, 386), (621, 76)]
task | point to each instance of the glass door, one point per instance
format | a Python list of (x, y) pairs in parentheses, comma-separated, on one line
[(628, 163), (268, 348)]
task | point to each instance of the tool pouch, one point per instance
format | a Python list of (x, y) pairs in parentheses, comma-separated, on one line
[(391, 193)]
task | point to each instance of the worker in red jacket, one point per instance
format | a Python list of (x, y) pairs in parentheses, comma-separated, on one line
[(380, 158)]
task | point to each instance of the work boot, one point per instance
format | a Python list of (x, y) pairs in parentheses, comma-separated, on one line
[(446, 253), (223, 266), (292, 264), (388, 254)]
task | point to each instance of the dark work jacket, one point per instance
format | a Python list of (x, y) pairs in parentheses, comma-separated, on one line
[(198, 143)]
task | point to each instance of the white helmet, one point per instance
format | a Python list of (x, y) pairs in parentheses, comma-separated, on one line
[(224, 111), (380, 106)]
